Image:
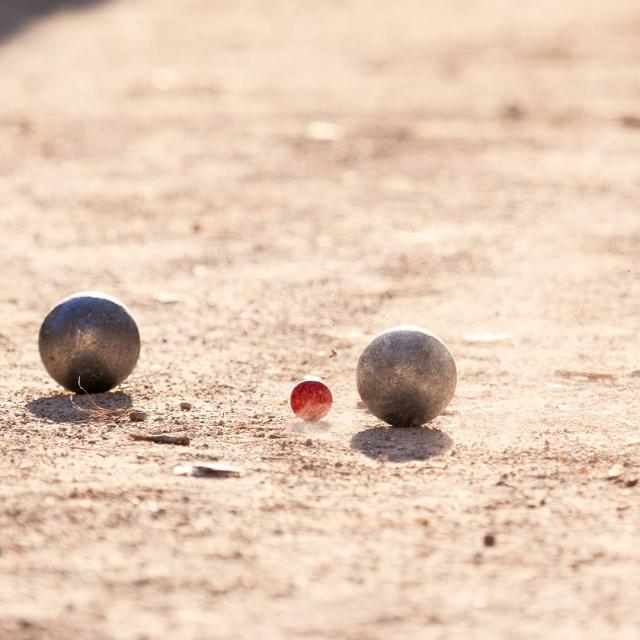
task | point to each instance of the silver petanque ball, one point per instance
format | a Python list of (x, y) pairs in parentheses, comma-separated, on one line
[(406, 376), (89, 342)]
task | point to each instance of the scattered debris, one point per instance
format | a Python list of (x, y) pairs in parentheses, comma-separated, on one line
[(489, 540), (103, 413), (333, 353), (208, 470), (161, 438), (617, 475), (585, 375), (166, 297), (185, 406), (615, 472), (487, 336), (137, 416), (502, 482), (537, 499)]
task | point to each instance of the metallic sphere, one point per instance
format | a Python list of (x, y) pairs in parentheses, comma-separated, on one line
[(406, 376), (89, 337)]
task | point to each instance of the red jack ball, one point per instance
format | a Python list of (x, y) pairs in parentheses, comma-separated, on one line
[(311, 399)]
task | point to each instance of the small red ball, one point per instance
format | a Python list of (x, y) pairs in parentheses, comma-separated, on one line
[(311, 400)]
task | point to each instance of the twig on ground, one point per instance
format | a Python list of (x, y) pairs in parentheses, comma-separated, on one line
[(103, 413), (161, 438), (589, 375)]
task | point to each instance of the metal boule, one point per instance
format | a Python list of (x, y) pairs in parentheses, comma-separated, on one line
[(89, 342), (406, 376)]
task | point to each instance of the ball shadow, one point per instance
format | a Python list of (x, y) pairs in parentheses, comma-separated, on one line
[(71, 408), (401, 444)]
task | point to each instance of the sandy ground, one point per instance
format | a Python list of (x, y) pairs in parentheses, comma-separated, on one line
[(479, 172)]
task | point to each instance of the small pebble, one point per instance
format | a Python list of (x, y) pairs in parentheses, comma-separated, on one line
[(615, 471), (185, 406), (489, 540)]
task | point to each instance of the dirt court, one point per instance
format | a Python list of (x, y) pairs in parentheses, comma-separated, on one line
[(263, 183)]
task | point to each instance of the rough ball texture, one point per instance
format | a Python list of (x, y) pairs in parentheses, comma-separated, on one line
[(406, 376), (90, 337)]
